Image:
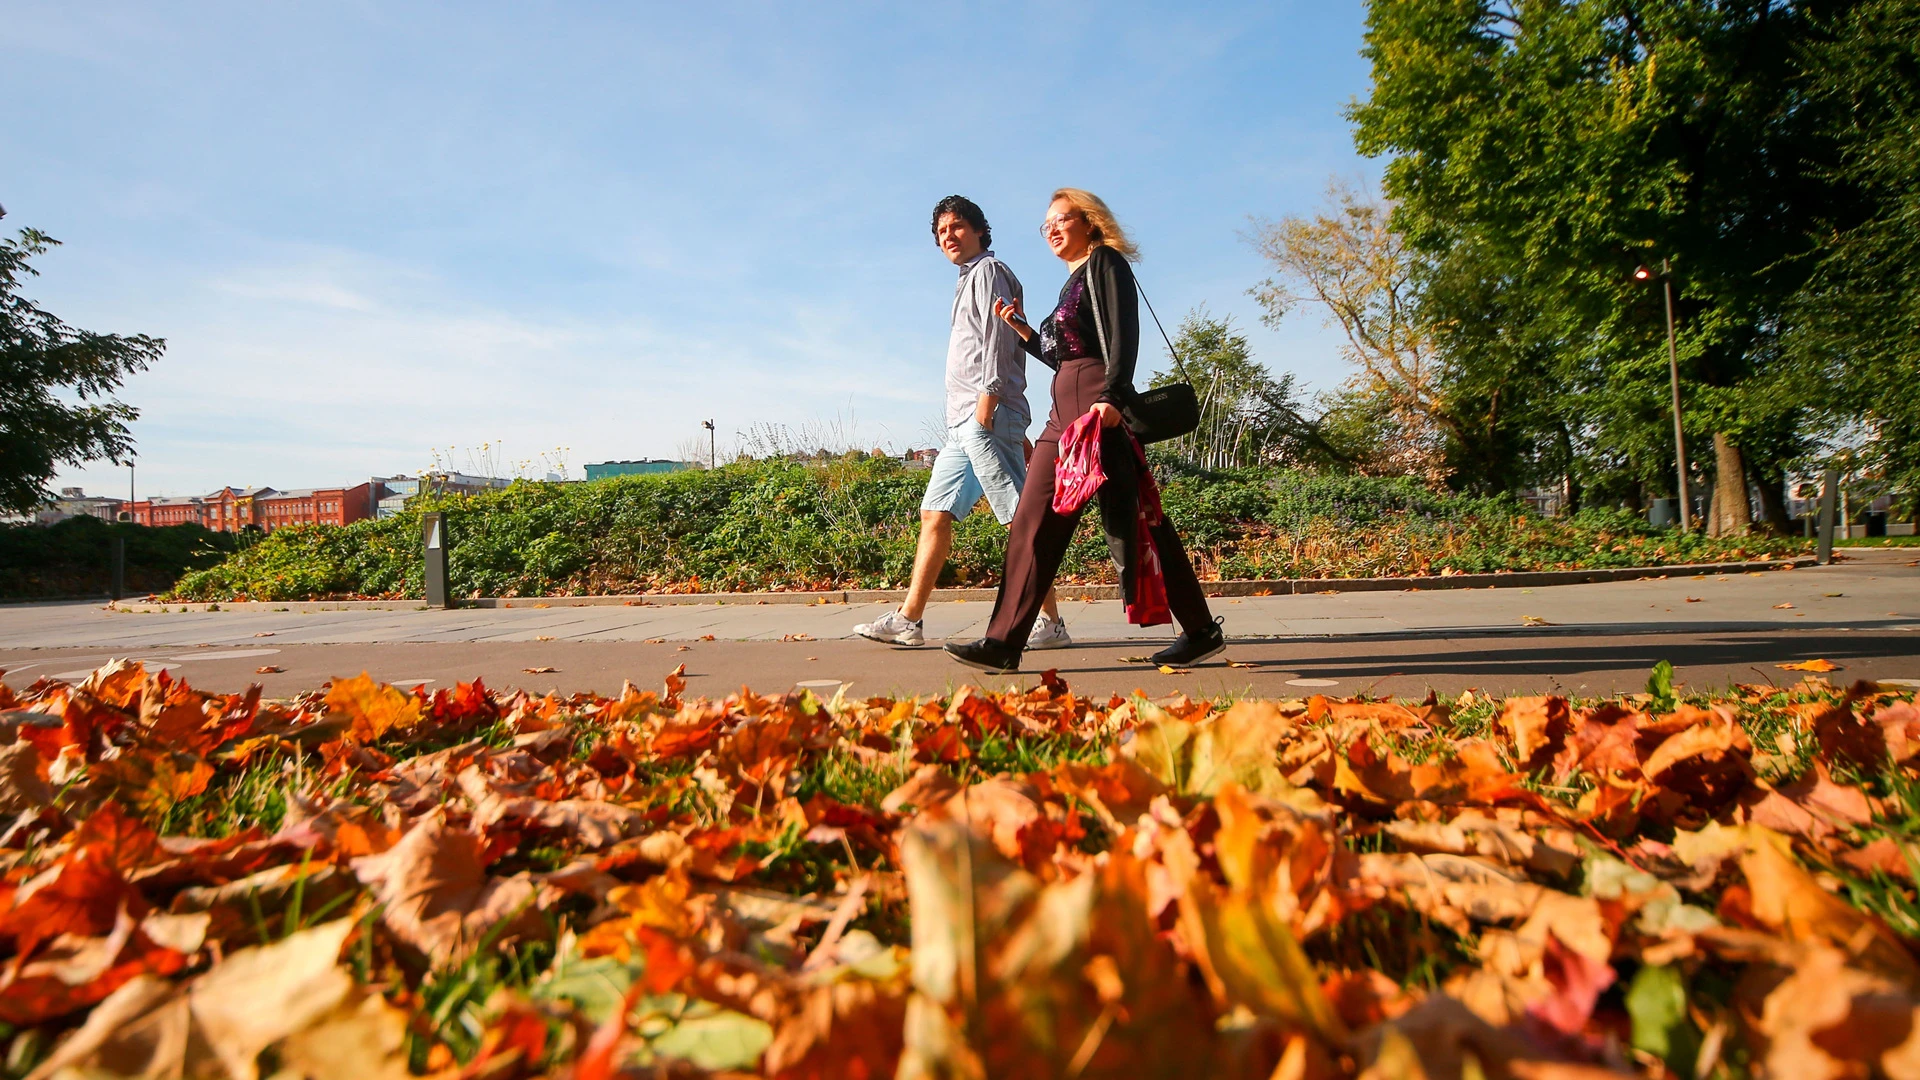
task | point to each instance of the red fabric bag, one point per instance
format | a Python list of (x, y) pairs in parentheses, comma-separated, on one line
[(1149, 605), (1077, 476), (1076, 472)]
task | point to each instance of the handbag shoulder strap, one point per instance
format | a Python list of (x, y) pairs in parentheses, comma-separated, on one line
[(1099, 327), (1093, 300)]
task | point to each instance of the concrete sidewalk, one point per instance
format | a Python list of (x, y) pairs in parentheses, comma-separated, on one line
[(1598, 635)]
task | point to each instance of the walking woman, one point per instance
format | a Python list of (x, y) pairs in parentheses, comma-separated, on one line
[(1091, 341)]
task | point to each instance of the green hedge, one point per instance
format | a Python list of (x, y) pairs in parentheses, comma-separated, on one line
[(70, 558), (851, 523)]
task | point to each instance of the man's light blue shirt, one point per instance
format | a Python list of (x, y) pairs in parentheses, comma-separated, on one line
[(983, 352)]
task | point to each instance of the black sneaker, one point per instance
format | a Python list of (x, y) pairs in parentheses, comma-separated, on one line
[(987, 655), (1188, 649)]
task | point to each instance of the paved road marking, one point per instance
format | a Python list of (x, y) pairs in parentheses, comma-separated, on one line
[(224, 654), (149, 665), (1313, 682)]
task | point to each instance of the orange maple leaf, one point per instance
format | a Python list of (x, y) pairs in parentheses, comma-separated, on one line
[(372, 708)]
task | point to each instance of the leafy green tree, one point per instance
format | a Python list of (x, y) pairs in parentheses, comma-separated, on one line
[(1857, 324), (58, 408), (1540, 149), (1349, 260), (1247, 415), (1446, 385)]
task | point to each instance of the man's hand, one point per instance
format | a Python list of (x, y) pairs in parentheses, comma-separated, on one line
[(983, 410), (1109, 416)]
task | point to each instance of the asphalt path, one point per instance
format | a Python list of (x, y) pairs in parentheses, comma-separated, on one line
[(1863, 615)]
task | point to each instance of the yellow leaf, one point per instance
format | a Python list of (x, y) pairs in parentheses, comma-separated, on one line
[(659, 902), (260, 995), (1787, 900), (367, 1040), (1252, 959), (1810, 665), (372, 708)]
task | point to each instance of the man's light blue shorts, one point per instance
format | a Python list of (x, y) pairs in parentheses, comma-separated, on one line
[(978, 462)]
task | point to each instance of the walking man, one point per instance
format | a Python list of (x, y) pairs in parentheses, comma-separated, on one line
[(987, 420)]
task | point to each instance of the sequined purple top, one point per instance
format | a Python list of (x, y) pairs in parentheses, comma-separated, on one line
[(1070, 333)]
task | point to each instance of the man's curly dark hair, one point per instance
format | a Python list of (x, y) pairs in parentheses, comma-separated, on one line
[(968, 212)]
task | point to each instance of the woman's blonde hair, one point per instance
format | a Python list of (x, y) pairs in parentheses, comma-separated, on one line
[(1100, 220)]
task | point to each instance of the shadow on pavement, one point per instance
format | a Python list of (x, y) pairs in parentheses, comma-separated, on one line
[(1322, 658)]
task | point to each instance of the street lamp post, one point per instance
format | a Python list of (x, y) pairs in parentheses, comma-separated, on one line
[(1673, 375), (713, 445)]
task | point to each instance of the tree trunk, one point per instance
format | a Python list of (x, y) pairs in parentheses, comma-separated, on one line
[(1773, 505), (1729, 515), (1570, 487)]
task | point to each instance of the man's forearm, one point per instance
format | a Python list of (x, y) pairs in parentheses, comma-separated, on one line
[(983, 410)]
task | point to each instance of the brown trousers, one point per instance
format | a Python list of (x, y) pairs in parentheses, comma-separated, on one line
[(1038, 537)]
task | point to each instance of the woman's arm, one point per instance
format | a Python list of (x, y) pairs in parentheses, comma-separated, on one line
[(1111, 280), (1011, 314)]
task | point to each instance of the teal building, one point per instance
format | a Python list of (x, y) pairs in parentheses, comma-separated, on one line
[(647, 467)]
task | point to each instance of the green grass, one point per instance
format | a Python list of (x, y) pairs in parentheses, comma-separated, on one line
[(844, 778)]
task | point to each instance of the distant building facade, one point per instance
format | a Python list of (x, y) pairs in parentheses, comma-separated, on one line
[(75, 502), (161, 511), (317, 506), (458, 483), (644, 467), (398, 490), (232, 509)]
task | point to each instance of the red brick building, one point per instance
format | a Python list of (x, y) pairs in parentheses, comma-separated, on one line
[(231, 509), (167, 510), (317, 506)]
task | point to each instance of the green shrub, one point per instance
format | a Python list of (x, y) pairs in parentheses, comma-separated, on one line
[(852, 523), (70, 558)]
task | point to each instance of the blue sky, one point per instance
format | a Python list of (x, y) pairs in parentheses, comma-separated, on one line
[(372, 229)]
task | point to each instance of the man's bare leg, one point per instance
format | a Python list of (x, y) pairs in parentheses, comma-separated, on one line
[(936, 543)]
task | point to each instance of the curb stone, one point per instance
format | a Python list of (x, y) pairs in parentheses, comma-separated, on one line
[(1519, 579)]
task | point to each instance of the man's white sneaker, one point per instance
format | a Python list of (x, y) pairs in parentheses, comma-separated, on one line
[(893, 628), (1048, 634)]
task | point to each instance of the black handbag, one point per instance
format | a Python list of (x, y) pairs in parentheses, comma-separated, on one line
[(1164, 412)]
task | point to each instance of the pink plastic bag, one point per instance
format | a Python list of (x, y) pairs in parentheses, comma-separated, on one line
[(1076, 473)]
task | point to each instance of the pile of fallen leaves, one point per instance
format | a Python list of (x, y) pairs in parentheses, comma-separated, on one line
[(362, 882)]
